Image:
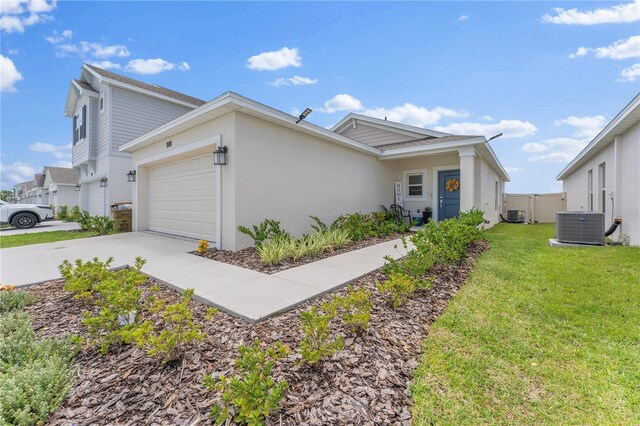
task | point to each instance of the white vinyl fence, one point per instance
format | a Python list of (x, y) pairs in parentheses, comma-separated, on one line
[(538, 208)]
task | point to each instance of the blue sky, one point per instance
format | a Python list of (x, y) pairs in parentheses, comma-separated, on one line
[(549, 75)]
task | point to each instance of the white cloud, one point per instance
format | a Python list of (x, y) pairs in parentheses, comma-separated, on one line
[(511, 169), (509, 128), (487, 117), (631, 73), (620, 14), (296, 80), (97, 50), (106, 65), (275, 60), (342, 102), (414, 115), (462, 18), (586, 127), (620, 49), (15, 15), (9, 75), (556, 150), (58, 151), (15, 173), (62, 163), (56, 37), (154, 66)]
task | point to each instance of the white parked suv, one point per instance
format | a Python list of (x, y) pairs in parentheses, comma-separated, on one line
[(24, 215)]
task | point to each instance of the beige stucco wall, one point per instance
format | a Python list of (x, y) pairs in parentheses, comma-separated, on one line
[(286, 175), (622, 170)]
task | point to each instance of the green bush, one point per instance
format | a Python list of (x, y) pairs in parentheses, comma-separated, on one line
[(102, 225), (318, 343), (10, 300), (337, 238), (267, 230), (355, 309), (274, 251), (399, 287), (253, 394), (81, 278), (84, 220), (63, 212), (74, 214), (35, 374), (376, 224)]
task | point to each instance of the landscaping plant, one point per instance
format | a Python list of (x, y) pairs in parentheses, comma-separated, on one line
[(253, 394), (399, 287), (203, 246), (102, 225), (355, 308), (35, 374), (274, 251), (267, 230), (84, 220), (81, 278), (74, 214), (63, 211), (318, 343), (11, 300)]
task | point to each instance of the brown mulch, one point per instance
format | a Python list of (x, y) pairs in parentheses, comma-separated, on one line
[(364, 384), (248, 258)]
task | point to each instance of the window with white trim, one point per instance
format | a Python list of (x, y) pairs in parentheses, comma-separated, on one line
[(415, 184), (101, 103), (603, 187)]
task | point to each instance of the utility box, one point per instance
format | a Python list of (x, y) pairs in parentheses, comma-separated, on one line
[(122, 215), (515, 216)]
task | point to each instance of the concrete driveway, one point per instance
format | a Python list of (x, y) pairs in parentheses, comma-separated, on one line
[(39, 262), (53, 225)]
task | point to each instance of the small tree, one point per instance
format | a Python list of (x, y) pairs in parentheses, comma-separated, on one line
[(317, 344)]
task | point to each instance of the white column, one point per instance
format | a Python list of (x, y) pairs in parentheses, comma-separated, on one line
[(467, 178)]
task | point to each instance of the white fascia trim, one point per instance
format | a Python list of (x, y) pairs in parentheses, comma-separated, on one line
[(94, 178), (493, 155), (212, 142), (83, 91), (140, 90), (428, 149), (385, 124), (609, 128)]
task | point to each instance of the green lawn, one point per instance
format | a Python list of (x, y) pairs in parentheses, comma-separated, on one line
[(538, 335), (7, 241)]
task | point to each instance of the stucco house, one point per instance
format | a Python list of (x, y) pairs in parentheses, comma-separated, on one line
[(107, 111), (61, 186), (280, 167), (605, 176)]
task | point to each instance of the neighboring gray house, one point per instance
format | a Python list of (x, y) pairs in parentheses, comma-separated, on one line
[(61, 185), (605, 176), (21, 191), (281, 168), (107, 111)]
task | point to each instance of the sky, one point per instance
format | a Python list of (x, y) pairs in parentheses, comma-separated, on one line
[(548, 75)]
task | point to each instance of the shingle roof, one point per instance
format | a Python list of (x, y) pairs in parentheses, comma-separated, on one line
[(38, 180), (425, 141), (85, 85), (150, 87), (62, 175)]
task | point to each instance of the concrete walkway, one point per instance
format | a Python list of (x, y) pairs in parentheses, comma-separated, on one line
[(242, 292), (52, 225)]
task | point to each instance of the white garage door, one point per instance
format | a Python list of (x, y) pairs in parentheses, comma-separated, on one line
[(95, 194), (182, 198)]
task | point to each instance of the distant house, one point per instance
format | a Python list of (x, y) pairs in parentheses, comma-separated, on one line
[(21, 191), (605, 176), (283, 168), (107, 111), (61, 186)]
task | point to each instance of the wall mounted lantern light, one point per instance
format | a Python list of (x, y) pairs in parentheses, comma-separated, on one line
[(220, 156), (78, 187), (103, 182), (55, 191), (131, 176)]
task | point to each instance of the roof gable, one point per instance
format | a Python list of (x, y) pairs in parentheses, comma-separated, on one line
[(61, 175), (353, 121)]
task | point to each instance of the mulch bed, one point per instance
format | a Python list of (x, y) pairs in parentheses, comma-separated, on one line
[(366, 383), (248, 258)]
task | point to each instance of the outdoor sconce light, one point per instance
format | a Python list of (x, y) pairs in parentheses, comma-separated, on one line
[(304, 115), (78, 187), (55, 192), (131, 176), (39, 195), (220, 156), (103, 182)]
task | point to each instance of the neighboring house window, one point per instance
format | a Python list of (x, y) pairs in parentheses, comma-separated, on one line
[(495, 196), (101, 104), (414, 184), (75, 129), (590, 189), (603, 187), (83, 128)]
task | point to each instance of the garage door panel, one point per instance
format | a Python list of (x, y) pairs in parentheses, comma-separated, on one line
[(95, 202), (182, 198)]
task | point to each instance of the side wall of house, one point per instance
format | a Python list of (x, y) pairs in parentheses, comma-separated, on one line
[(286, 175), (490, 193), (628, 199)]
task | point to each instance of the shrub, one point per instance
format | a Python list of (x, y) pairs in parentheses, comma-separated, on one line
[(318, 344), (12, 300), (337, 238), (251, 395), (274, 251), (102, 225), (376, 224), (399, 287), (74, 213), (35, 374), (179, 330), (267, 230), (84, 220), (82, 277), (203, 246), (319, 226), (63, 212), (417, 262), (355, 308)]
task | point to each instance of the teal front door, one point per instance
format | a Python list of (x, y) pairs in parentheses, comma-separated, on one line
[(448, 194)]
